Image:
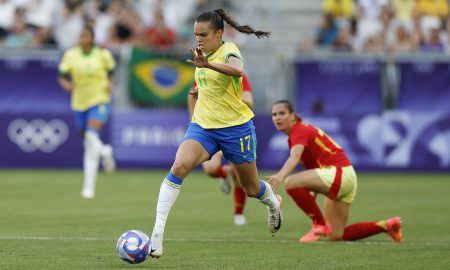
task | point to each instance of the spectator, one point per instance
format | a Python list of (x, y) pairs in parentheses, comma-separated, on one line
[(328, 31), (7, 11), (403, 10), (432, 42), (435, 8), (20, 36), (159, 35), (342, 10), (70, 20), (403, 39), (343, 43)]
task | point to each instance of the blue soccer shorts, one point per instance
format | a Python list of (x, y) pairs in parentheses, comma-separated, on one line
[(237, 143), (99, 112)]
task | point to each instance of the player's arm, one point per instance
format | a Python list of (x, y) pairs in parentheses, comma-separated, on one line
[(111, 79), (192, 100), (234, 67), (247, 98), (289, 165), (65, 82)]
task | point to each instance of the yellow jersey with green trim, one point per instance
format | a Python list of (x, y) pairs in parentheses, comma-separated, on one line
[(219, 103), (89, 74)]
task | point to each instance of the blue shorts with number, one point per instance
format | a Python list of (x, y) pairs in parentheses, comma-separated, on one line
[(238, 143), (98, 112)]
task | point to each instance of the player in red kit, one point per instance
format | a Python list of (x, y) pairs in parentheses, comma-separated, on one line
[(327, 171), (214, 166)]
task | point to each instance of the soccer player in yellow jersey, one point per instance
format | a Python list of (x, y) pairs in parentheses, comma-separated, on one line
[(221, 122), (85, 73)]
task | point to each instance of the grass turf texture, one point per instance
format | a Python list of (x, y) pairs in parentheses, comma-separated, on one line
[(45, 224)]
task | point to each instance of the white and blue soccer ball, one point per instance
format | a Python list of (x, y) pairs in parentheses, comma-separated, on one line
[(133, 246)]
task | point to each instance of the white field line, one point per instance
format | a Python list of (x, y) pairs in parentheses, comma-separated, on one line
[(64, 238)]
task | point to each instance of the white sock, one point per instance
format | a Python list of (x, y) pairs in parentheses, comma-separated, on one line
[(92, 146), (266, 195), (167, 196)]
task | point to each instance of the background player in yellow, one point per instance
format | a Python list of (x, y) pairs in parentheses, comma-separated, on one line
[(86, 74), (221, 122)]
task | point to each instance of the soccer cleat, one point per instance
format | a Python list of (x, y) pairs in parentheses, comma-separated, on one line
[(87, 194), (239, 220), (156, 246), (225, 185), (108, 163), (275, 215), (315, 234), (394, 228)]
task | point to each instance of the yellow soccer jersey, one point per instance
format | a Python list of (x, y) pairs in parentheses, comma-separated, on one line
[(89, 73), (219, 101)]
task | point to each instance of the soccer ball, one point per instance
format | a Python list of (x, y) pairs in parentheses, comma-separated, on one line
[(133, 246)]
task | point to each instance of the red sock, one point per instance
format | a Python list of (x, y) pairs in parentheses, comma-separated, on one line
[(361, 230), (239, 200), (221, 172), (307, 203)]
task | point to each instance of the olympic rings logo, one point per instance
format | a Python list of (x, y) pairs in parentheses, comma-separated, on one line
[(38, 134)]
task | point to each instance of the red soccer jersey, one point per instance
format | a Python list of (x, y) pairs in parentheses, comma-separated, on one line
[(246, 87), (320, 150)]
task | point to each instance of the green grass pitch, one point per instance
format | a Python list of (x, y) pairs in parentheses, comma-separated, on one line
[(44, 224)]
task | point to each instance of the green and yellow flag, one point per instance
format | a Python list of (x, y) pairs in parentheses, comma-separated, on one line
[(159, 79)]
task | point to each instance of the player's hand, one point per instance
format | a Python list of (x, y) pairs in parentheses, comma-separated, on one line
[(274, 180), (200, 60), (194, 91)]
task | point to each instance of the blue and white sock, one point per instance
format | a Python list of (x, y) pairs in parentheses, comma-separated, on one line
[(266, 195), (168, 193)]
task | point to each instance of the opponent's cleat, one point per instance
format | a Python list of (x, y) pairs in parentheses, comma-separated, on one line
[(156, 247), (315, 234), (225, 185), (239, 220), (275, 215), (394, 228), (108, 163)]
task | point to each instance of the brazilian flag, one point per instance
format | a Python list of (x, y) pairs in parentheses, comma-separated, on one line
[(158, 79)]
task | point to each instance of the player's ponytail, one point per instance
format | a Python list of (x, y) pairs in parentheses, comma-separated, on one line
[(217, 17), (290, 107), (246, 29)]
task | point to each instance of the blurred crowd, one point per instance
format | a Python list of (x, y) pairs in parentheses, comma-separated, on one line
[(161, 24), (382, 26)]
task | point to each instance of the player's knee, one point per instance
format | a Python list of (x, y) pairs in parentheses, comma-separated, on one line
[(180, 168), (290, 183), (210, 170), (335, 235)]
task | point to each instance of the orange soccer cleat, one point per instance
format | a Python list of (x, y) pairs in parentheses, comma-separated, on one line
[(315, 234), (394, 228)]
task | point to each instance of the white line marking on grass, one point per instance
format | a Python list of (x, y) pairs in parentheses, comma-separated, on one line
[(64, 238)]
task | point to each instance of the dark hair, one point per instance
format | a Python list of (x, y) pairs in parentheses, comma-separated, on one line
[(289, 106), (217, 17)]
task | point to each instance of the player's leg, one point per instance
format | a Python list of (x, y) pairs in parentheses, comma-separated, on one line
[(93, 120), (239, 202), (195, 149), (238, 145), (215, 169), (337, 209), (89, 157), (255, 188), (299, 187), (98, 116), (336, 213)]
